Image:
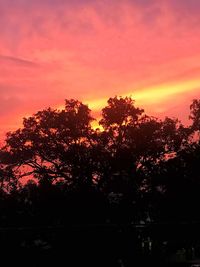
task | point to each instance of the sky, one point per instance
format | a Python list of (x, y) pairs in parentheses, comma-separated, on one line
[(91, 50)]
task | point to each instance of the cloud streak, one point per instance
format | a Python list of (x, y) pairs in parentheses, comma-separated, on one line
[(18, 61)]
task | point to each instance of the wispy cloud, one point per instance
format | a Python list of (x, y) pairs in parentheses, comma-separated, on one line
[(18, 61)]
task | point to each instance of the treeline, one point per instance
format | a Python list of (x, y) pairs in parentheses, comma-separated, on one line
[(57, 169)]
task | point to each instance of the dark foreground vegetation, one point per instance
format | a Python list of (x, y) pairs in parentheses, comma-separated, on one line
[(127, 194)]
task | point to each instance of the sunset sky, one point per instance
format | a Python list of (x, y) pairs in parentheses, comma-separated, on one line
[(91, 50)]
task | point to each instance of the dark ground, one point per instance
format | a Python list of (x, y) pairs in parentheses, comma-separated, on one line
[(97, 245)]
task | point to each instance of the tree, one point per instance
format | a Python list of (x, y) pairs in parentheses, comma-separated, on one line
[(52, 145), (120, 111), (126, 163), (195, 114)]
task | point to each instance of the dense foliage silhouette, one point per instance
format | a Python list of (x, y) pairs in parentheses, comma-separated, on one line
[(58, 171)]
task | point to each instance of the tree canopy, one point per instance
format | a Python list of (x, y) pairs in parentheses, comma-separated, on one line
[(136, 167)]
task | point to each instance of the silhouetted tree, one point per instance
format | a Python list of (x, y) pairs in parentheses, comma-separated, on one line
[(52, 145), (120, 173), (57, 171), (195, 114)]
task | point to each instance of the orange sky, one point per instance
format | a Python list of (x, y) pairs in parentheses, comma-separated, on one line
[(90, 50)]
